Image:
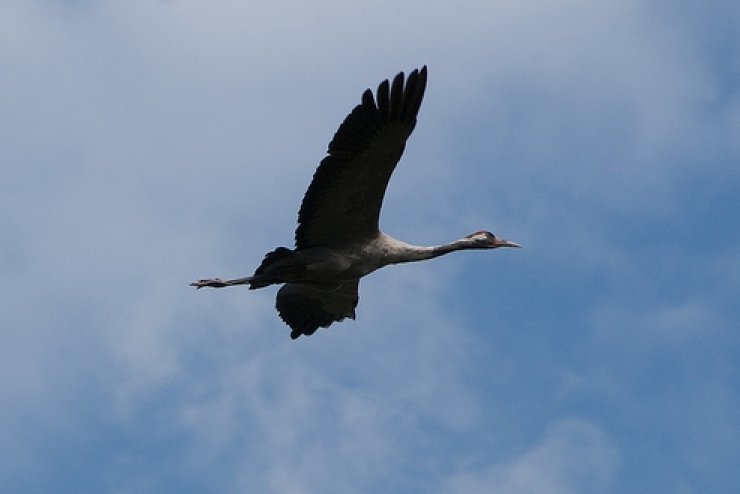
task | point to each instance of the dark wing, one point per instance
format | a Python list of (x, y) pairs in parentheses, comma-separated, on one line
[(342, 204), (305, 308)]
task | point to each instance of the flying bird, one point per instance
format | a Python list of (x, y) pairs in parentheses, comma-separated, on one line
[(337, 240)]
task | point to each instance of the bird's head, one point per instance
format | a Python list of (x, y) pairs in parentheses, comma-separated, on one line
[(487, 240)]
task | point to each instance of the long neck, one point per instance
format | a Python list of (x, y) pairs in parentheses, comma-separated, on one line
[(403, 252)]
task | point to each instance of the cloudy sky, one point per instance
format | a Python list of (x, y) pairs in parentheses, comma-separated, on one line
[(145, 144)]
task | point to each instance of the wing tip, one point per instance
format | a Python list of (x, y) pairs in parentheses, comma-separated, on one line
[(401, 99)]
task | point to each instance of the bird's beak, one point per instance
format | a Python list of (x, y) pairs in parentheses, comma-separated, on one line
[(507, 243)]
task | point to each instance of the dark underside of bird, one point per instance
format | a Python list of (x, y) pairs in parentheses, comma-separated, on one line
[(338, 240)]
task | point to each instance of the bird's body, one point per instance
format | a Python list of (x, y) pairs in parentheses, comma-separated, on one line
[(338, 240), (324, 264)]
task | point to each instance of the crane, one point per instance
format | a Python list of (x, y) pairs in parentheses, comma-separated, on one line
[(338, 240)]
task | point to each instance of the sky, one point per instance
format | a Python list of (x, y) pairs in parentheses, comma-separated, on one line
[(146, 144)]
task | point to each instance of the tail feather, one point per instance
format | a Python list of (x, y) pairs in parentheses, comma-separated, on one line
[(276, 267), (279, 254)]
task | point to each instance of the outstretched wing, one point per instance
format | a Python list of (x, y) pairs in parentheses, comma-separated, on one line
[(305, 307), (342, 204)]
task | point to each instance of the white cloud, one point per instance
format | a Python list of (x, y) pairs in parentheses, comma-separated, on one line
[(657, 329), (573, 455), (331, 412)]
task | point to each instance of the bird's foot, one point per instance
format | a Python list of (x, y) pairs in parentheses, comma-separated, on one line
[(212, 282)]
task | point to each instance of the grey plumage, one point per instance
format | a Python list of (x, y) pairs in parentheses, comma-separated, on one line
[(338, 239)]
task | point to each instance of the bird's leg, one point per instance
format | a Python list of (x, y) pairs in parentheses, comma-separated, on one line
[(212, 282), (219, 283)]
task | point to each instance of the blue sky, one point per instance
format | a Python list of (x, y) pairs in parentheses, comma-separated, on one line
[(147, 144)]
